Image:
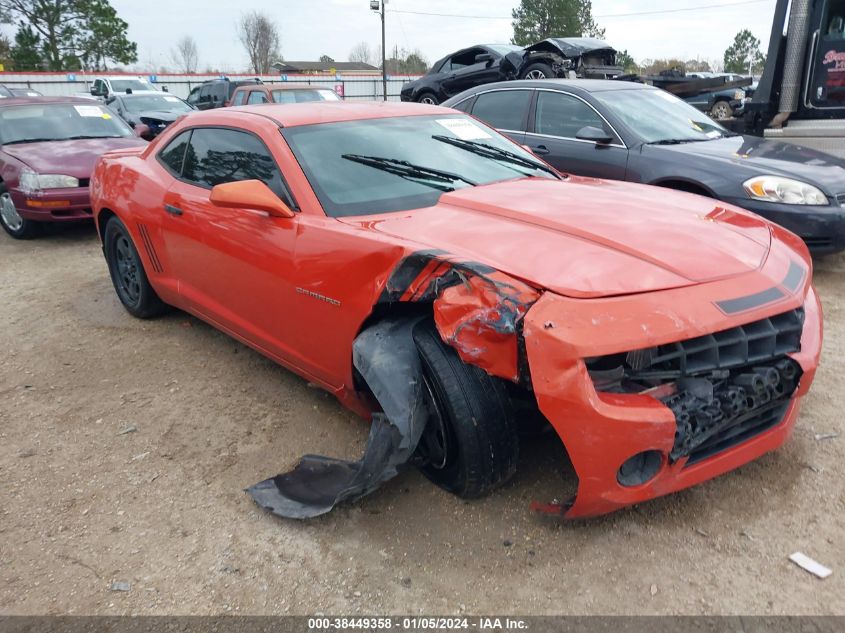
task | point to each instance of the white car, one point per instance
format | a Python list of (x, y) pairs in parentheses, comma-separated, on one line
[(105, 87)]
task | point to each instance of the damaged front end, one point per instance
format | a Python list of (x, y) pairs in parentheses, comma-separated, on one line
[(722, 388), (568, 57)]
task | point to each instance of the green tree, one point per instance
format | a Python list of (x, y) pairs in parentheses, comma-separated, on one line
[(26, 51), (536, 20), (745, 50), (589, 28), (75, 31), (326, 59), (102, 37), (627, 62)]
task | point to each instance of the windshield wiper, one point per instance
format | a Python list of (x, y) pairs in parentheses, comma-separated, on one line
[(87, 136), (495, 153), (679, 141), (417, 173)]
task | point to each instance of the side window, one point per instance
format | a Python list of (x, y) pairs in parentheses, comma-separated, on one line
[(563, 115), (173, 155), (205, 92), (216, 156), (256, 96), (503, 109), (465, 58), (239, 98)]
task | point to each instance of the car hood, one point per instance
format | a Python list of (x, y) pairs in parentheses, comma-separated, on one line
[(71, 158), (748, 156), (160, 115), (588, 238)]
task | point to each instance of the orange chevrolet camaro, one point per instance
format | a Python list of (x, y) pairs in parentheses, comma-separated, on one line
[(449, 286)]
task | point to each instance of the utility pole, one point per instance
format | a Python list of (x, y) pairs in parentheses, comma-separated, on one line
[(378, 5)]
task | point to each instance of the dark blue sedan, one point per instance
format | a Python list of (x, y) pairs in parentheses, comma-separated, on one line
[(629, 131)]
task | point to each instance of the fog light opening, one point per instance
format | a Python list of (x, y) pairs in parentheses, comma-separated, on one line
[(640, 469)]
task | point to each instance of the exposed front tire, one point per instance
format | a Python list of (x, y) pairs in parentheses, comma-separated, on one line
[(429, 98), (721, 111), (471, 444), (538, 71), (18, 227), (128, 275)]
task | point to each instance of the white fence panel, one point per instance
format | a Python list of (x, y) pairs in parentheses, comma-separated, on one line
[(350, 87)]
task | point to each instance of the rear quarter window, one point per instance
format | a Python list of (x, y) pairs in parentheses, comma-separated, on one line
[(173, 155), (503, 109)]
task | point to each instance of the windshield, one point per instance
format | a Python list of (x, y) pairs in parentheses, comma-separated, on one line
[(402, 163), (659, 117), (58, 122), (122, 85), (4, 92), (155, 102), (304, 95)]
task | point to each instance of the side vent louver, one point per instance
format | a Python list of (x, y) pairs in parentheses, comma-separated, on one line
[(151, 251)]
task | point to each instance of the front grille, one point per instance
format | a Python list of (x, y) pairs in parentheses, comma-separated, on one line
[(755, 342), (84, 182), (840, 198), (722, 388), (742, 430), (818, 242)]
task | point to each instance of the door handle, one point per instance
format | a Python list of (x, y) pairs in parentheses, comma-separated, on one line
[(541, 150), (173, 210)]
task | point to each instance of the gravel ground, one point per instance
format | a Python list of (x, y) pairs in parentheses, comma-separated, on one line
[(125, 447)]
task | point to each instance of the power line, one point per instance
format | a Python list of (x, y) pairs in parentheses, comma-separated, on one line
[(606, 16)]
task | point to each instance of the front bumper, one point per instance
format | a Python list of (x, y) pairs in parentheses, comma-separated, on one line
[(602, 431), (54, 205), (822, 228)]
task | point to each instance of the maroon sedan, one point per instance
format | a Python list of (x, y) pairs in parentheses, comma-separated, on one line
[(48, 147)]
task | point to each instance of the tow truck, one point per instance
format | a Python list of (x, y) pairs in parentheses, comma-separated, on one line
[(801, 94)]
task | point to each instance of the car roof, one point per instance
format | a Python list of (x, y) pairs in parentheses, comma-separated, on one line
[(297, 114), (578, 85), (287, 86), (35, 100)]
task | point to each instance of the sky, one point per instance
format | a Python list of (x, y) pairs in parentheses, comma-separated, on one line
[(311, 28)]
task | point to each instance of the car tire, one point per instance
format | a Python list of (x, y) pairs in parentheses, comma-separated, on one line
[(538, 71), (428, 97), (16, 226), (721, 111), (128, 275), (471, 443)]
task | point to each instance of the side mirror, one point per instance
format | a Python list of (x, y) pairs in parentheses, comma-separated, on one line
[(484, 57), (250, 194), (95, 92), (141, 131), (594, 134)]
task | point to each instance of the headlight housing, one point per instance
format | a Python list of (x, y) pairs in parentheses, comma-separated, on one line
[(785, 190), (31, 181)]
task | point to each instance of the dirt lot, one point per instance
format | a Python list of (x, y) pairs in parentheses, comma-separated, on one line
[(163, 508)]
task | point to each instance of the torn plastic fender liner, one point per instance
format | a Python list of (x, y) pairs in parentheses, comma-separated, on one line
[(386, 357), (480, 318)]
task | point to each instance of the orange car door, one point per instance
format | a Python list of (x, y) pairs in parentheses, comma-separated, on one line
[(234, 266)]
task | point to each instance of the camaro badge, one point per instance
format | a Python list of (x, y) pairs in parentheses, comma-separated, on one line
[(317, 295)]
